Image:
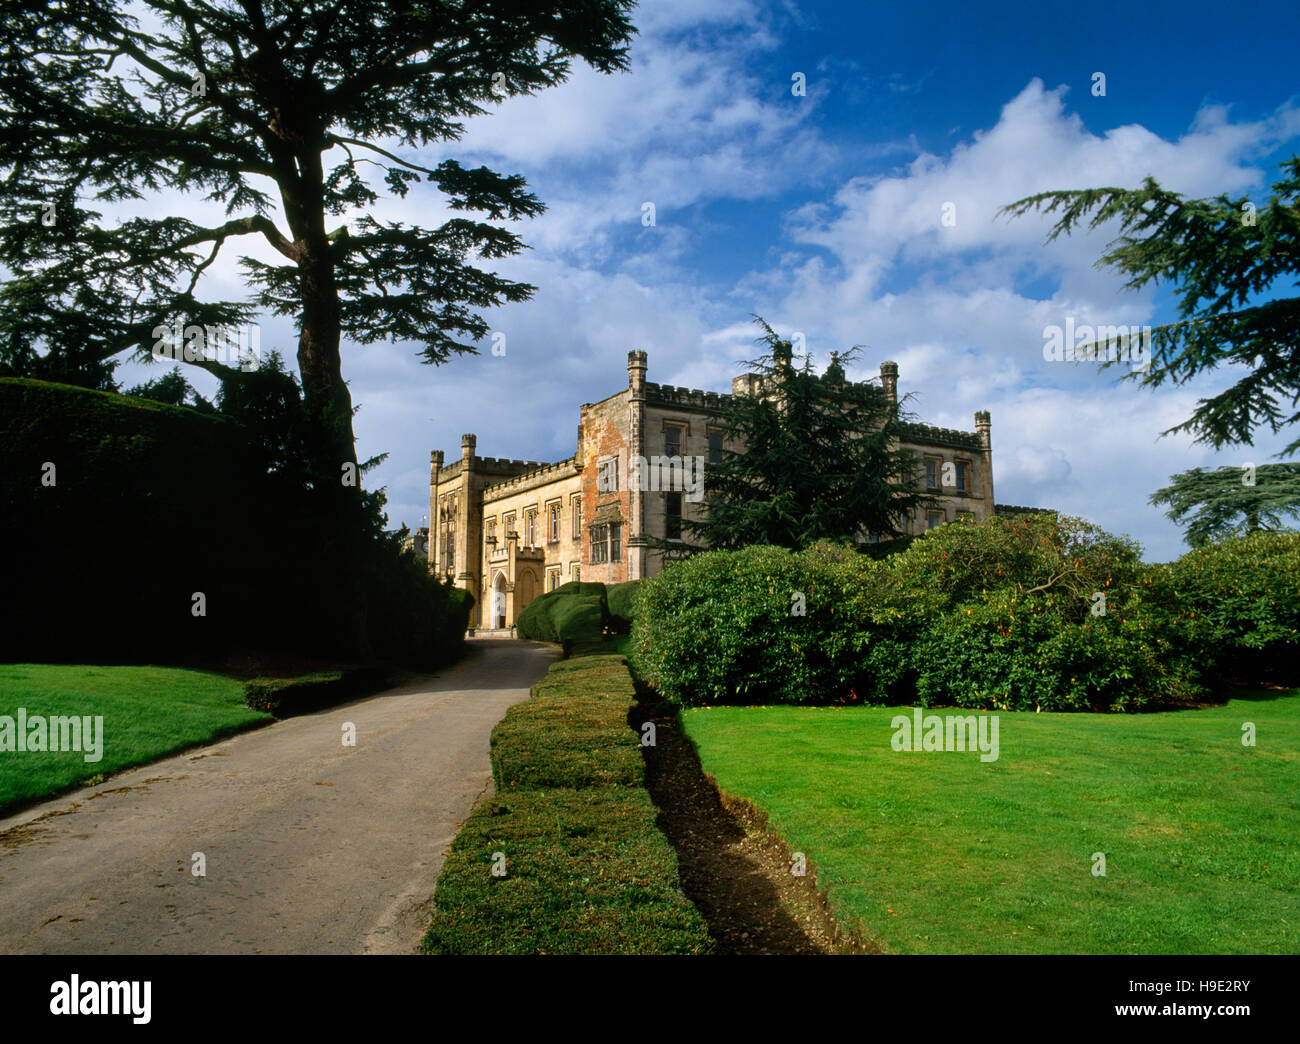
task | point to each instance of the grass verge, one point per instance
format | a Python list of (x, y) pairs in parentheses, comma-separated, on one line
[(148, 713), (566, 858), (940, 853)]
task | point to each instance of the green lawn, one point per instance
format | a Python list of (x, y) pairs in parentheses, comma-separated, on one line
[(940, 853), (148, 712)]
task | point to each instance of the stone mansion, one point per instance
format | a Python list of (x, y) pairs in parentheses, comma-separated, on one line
[(507, 530)]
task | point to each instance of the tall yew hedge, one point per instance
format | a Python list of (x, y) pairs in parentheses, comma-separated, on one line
[(117, 511)]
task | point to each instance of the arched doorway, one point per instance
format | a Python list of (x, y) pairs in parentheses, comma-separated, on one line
[(499, 601)]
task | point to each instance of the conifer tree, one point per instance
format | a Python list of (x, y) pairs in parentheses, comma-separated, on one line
[(277, 110), (1231, 262), (1224, 502), (284, 113), (820, 459)]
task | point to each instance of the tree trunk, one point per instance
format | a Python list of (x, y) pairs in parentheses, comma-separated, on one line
[(327, 402)]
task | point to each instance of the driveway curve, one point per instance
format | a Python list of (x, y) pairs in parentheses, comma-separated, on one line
[(308, 846)]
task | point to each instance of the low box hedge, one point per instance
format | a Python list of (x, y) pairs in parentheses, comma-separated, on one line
[(285, 697), (558, 741), (586, 871), (586, 868)]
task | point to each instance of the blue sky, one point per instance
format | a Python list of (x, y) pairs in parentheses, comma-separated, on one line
[(822, 213)]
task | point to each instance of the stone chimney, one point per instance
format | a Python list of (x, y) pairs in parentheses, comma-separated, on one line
[(889, 378), (468, 443), (984, 425)]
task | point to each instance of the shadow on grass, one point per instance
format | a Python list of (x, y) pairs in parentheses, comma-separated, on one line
[(727, 872), (1258, 693)]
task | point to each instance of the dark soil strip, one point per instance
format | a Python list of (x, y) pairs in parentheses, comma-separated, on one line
[(735, 871)]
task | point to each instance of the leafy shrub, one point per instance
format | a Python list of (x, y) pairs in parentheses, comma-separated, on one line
[(1001, 613), (1066, 559), (1011, 624), (706, 626), (769, 625), (1239, 601), (1009, 651)]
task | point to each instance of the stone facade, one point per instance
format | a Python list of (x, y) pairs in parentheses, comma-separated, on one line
[(507, 530)]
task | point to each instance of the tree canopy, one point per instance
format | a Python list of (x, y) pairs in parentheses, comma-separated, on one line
[(276, 111), (1231, 263), (1218, 503)]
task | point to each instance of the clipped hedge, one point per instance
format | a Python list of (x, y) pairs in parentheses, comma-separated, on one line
[(117, 511), (587, 872), (586, 868), (461, 605), (621, 602), (285, 697), (572, 612), (574, 732)]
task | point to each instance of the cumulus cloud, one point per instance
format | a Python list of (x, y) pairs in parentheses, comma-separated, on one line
[(963, 309)]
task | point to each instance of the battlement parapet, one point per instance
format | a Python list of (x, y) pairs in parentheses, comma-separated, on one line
[(690, 398), (925, 433), (1011, 510), (538, 475)]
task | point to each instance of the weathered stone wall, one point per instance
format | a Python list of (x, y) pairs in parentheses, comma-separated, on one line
[(605, 434), (695, 425)]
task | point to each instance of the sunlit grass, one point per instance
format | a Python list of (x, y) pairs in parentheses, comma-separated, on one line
[(940, 853), (148, 712)]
